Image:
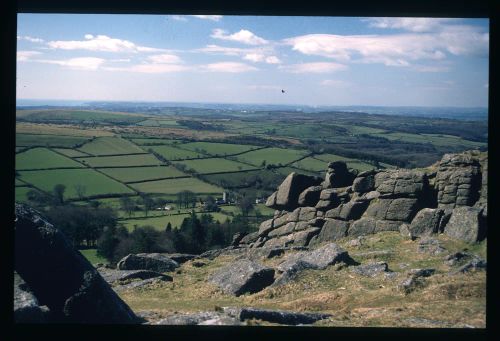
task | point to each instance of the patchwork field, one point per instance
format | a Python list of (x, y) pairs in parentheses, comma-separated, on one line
[(109, 146), (70, 152), (38, 158), (49, 140), (217, 149), (20, 193), (273, 156), (214, 165), (173, 186), (152, 141), (121, 161), (173, 153), (142, 173), (160, 223), (95, 183)]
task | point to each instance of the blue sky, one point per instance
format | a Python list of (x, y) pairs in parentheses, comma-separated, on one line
[(245, 59)]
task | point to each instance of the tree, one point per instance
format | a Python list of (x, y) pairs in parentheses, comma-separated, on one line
[(107, 243), (80, 190), (210, 205), (127, 205), (58, 192), (246, 204), (148, 203)]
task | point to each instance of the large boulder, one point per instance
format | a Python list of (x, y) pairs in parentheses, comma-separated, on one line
[(310, 196), (290, 189), (401, 209), (362, 227), (26, 306), (274, 316), (349, 211), (466, 223), (300, 238), (147, 261), (60, 277), (401, 183), (363, 184), (426, 222), (332, 229), (243, 276), (371, 269), (337, 175)]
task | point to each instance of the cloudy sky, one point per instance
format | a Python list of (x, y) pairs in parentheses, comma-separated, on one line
[(245, 59)]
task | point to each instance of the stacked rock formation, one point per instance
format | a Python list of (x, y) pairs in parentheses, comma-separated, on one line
[(449, 198)]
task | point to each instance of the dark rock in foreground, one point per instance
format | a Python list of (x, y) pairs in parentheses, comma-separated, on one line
[(275, 316), (147, 261), (26, 306), (112, 276), (243, 276), (60, 277)]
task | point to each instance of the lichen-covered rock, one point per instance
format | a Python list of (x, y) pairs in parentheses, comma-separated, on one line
[(249, 238), (400, 183), (349, 211), (271, 200), (265, 227), (426, 222), (307, 213), (431, 246), (401, 209), (111, 276), (332, 229), (60, 277), (243, 276), (414, 280), (288, 192), (362, 227), (363, 184), (466, 224), (147, 261), (310, 196), (337, 175), (275, 316), (300, 238), (371, 269)]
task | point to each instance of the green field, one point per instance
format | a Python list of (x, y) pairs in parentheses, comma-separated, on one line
[(20, 193), (78, 115), (108, 145), (217, 149), (19, 183), (273, 156), (70, 152), (152, 141), (284, 171), (38, 158), (95, 183), (173, 186), (243, 178), (435, 139), (173, 153), (160, 223), (351, 163), (214, 165), (312, 164), (122, 160), (142, 173), (92, 257), (49, 140)]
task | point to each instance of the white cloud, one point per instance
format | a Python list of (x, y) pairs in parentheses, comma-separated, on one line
[(178, 17), (101, 43), (395, 49), (430, 68), (30, 39), (264, 87), (81, 63), (208, 17), (164, 59), (228, 51), (410, 24), (320, 67), (150, 68), (23, 56), (242, 36), (254, 57), (273, 60), (231, 67), (335, 83)]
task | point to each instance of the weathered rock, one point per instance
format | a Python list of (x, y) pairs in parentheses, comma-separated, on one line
[(307, 213), (237, 238), (431, 246), (387, 225), (349, 211), (426, 222), (363, 184), (473, 265), (243, 276), (362, 227), (332, 229), (147, 261), (288, 192), (275, 316), (300, 238), (271, 200), (265, 227), (337, 175), (371, 269), (320, 258), (414, 280), (179, 257), (200, 318), (283, 230), (325, 205), (26, 306), (401, 183), (402, 209), (466, 224), (457, 258), (112, 276), (310, 196), (404, 230), (250, 238), (78, 294)]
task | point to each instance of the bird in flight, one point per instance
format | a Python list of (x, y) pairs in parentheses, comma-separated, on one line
[(282, 91)]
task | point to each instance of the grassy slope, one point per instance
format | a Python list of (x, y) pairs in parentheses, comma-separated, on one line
[(43, 158), (353, 300), (173, 186), (122, 160), (110, 145), (142, 173)]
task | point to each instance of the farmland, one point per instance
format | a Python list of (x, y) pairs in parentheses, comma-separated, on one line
[(114, 153), (95, 183), (110, 146), (43, 158), (214, 165), (137, 174), (121, 161)]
